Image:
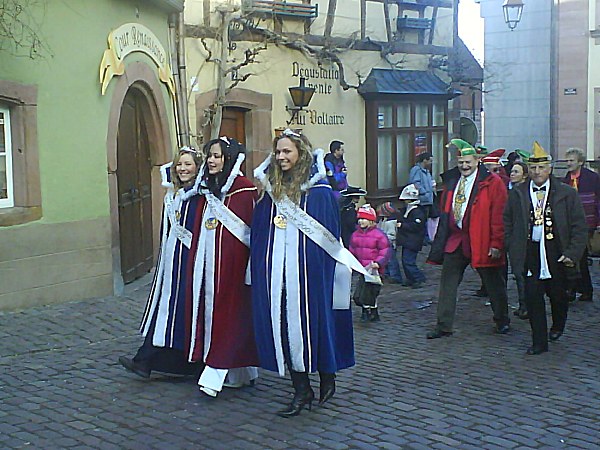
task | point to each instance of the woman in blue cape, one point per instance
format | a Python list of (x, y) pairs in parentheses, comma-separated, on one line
[(295, 322), (166, 320)]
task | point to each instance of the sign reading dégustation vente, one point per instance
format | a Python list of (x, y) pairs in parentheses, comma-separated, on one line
[(322, 80), (129, 38)]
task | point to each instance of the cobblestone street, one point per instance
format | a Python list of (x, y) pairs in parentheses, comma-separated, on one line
[(61, 385)]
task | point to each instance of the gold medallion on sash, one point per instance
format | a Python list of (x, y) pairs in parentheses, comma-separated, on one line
[(177, 215), (280, 221), (211, 223)]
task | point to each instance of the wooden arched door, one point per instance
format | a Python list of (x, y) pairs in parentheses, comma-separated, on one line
[(134, 188), (233, 124)]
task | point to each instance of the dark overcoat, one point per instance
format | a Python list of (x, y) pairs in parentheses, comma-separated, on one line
[(568, 222)]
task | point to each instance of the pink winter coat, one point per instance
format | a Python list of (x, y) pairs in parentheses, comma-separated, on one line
[(370, 245)]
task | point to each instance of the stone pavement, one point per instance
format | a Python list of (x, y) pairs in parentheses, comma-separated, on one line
[(61, 385)]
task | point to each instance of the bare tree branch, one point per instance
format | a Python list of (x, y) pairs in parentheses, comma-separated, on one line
[(20, 28)]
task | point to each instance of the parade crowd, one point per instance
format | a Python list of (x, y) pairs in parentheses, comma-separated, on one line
[(250, 278)]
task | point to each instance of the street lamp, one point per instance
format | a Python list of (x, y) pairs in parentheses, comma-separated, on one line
[(513, 10), (301, 96)]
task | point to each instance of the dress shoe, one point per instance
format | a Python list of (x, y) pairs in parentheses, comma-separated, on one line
[(502, 329), (554, 335), (571, 296), (374, 315), (132, 366), (436, 334), (536, 350), (417, 285), (585, 298), (364, 317), (521, 313)]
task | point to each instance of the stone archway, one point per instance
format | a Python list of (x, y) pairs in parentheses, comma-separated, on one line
[(154, 119)]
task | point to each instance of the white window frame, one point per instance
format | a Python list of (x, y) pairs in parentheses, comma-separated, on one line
[(8, 202)]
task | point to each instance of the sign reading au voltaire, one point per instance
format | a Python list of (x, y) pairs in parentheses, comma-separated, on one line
[(322, 79), (129, 38)]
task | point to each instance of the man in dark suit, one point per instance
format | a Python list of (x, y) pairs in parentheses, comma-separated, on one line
[(546, 234)]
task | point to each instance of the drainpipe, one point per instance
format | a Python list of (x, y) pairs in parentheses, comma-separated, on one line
[(183, 86), (180, 96)]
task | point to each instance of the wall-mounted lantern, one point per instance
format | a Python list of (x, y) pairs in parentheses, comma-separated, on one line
[(301, 96), (513, 10)]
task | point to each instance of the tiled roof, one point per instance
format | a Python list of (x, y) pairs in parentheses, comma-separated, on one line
[(405, 82)]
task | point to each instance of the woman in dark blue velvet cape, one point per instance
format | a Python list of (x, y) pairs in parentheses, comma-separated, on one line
[(293, 278)]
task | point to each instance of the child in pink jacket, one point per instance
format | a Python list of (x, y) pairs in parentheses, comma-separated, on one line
[(372, 249)]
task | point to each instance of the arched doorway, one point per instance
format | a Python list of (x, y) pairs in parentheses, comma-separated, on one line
[(134, 186)]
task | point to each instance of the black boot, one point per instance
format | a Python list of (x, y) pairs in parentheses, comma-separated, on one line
[(374, 315), (303, 395), (365, 315), (327, 387)]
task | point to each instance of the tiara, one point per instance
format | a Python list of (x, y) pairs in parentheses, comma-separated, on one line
[(187, 149), (288, 132)]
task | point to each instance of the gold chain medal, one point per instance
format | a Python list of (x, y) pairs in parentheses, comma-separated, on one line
[(280, 221), (538, 212), (211, 223)]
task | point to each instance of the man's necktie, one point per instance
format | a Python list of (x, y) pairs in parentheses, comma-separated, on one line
[(543, 188), (574, 183), (459, 199)]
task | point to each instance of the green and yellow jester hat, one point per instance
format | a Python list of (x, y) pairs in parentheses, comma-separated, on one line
[(539, 155), (464, 148)]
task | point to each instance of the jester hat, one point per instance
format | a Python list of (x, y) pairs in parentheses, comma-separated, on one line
[(539, 155), (464, 148), (493, 157)]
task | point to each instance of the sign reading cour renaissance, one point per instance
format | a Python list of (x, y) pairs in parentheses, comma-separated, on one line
[(129, 38)]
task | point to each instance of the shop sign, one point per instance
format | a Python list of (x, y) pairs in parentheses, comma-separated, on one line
[(315, 117), (322, 79), (129, 38)]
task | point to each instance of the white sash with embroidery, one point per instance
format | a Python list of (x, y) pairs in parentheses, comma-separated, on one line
[(228, 218), (316, 232), (182, 233)]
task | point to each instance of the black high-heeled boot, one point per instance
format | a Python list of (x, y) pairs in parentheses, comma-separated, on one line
[(327, 387), (303, 395)]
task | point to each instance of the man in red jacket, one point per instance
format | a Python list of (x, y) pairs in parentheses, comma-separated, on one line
[(470, 232)]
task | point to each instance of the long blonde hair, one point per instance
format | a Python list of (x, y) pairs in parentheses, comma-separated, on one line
[(289, 183)]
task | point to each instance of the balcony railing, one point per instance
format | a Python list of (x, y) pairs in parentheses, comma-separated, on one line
[(283, 8), (413, 23)]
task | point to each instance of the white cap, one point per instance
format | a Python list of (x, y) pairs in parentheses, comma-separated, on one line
[(410, 192)]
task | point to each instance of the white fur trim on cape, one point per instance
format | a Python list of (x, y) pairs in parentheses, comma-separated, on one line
[(164, 175), (260, 173), (235, 171)]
